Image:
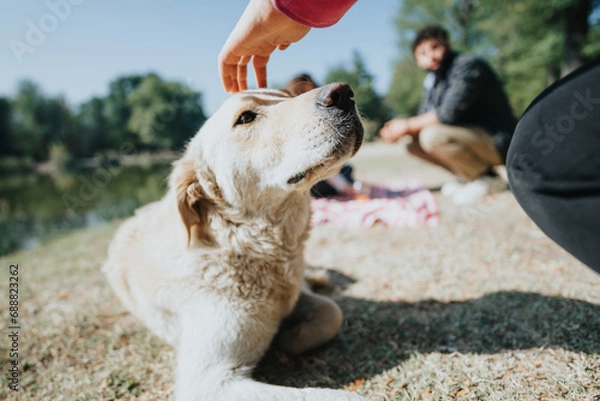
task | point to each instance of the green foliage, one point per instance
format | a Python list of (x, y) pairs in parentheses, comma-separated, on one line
[(406, 90), (455, 15), (6, 145), (164, 114), (38, 121), (143, 112), (118, 111), (26, 113), (369, 103), (529, 50), (59, 155), (591, 48), (93, 127)]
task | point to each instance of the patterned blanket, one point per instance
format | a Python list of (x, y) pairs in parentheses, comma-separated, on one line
[(405, 203)]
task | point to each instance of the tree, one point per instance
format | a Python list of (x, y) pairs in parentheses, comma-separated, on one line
[(93, 127), (534, 52), (369, 103), (118, 110), (591, 48), (576, 28), (406, 89), (164, 114), (26, 114), (38, 121), (141, 110), (457, 16), (59, 126), (6, 139)]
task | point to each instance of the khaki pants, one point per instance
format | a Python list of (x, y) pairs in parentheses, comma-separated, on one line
[(467, 152)]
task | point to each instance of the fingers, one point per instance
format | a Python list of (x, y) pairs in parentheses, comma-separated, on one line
[(234, 75), (260, 30), (388, 133), (242, 73), (234, 71), (260, 70), (384, 134), (384, 131), (228, 72)]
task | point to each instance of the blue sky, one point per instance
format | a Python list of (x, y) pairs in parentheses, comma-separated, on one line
[(98, 40)]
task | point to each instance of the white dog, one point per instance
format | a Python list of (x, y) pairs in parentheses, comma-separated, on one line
[(216, 265)]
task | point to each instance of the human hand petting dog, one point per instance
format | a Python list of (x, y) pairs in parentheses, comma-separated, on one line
[(260, 30), (267, 25)]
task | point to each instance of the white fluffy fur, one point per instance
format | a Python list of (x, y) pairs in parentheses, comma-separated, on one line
[(216, 265)]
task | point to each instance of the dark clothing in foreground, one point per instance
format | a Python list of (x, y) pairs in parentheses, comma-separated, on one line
[(554, 163), (323, 189), (467, 92)]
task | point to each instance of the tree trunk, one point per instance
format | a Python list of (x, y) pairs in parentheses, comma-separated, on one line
[(576, 30), (463, 12)]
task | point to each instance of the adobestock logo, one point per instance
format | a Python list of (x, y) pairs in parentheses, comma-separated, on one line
[(555, 130), (547, 138), (38, 31)]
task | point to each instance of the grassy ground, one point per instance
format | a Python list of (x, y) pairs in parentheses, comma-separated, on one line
[(483, 307)]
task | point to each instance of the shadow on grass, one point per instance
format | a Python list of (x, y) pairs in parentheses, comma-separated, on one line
[(377, 336)]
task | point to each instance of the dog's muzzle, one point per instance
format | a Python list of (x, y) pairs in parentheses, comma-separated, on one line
[(337, 98)]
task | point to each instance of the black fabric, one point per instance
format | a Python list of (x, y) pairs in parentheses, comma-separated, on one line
[(468, 92), (322, 189), (554, 163)]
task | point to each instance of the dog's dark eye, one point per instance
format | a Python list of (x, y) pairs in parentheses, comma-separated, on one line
[(246, 117)]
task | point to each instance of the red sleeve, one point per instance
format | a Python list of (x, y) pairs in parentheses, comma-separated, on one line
[(314, 13)]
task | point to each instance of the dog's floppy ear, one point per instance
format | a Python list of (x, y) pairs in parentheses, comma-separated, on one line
[(192, 201)]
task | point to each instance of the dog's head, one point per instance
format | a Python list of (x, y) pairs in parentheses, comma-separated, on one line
[(265, 146)]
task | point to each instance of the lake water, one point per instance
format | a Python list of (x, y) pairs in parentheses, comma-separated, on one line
[(35, 208)]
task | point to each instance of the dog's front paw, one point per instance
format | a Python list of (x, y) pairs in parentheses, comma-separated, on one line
[(314, 321)]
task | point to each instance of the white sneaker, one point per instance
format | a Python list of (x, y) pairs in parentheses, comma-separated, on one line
[(477, 189), (452, 187)]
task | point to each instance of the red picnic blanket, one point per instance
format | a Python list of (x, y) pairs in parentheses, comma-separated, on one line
[(406, 203)]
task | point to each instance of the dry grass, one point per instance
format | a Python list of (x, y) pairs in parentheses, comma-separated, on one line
[(483, 307)]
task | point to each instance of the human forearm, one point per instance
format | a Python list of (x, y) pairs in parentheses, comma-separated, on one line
[(417, 123)]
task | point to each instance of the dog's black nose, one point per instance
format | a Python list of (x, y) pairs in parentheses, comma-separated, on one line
[(336, 95)]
